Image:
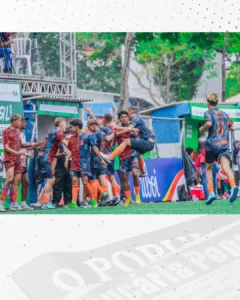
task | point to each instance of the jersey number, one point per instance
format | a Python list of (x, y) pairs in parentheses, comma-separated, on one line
[(220, 130)]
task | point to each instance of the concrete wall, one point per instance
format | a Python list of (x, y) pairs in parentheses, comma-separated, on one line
[(46, 124)]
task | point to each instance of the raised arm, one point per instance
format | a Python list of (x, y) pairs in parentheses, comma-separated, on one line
[(89, 110)]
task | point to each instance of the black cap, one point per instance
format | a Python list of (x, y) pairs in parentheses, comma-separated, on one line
[(23, 118)]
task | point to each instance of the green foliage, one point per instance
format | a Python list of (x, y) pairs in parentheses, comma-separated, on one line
[(48, 43), (233, 81), (176, 62), (101, 71)]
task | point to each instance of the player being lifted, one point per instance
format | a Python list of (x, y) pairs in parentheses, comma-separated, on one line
[(218, 125), (128, 160), (48, 150), (12, 161), (143, 144), (80, 145)]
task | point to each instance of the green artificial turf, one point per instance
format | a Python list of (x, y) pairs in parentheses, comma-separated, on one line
[(199, 207)]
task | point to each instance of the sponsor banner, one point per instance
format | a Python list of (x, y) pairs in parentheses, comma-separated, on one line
[(56, 108), (160, 185), (10, 92), (69, 274), (175, 273), (198, 110)]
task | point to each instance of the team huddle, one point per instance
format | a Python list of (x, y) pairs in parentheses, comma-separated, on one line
[(90, 158)]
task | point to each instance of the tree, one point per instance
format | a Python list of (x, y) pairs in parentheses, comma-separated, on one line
[(48, 43), (233, 80), (124, 98), (100, 65), (173, 64)]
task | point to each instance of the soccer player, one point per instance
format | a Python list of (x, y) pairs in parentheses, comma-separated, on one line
[(107, 148), (128, 160), (218, 125), (12, 162), (80, 145), (97, 170), (24, 177), (48, 150), (143, 144)]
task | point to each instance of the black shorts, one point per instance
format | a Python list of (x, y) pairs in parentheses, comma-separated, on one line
[(142, 146), (215, 155), (25, 170), (96, 172)]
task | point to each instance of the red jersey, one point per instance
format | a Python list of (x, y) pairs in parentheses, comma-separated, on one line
[(73, 146), (128, 151), (13, 139)]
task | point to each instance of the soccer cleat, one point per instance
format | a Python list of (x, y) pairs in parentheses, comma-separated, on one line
[(36, 205), (141, 175), (128, 202), (138, 199), (72, 205), (211, 198), (105, 157), (103, 202), (85, 205), (117, 201), (2, 208), (94, 203), (234, 193), (25, 207), (48, 206), (15, 207), (104, 197)]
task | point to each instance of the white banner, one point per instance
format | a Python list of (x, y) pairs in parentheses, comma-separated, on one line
[(200, 111), (10, 92), (58, 108)]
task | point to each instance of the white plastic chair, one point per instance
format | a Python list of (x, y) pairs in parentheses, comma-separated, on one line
[(22, 51)]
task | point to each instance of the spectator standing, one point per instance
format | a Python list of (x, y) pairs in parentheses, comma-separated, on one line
[(6, 51)]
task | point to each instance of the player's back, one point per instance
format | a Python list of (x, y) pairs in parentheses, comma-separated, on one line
[(86, 142), (144, 131), (106, 146), (49, 140), (218, 132)]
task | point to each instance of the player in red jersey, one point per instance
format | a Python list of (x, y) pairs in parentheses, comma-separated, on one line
[(12, 161), (48, 150), (80, 145), (128, 160)]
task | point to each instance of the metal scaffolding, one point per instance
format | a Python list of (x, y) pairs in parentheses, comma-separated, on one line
[(65, 86), (68, 56)]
